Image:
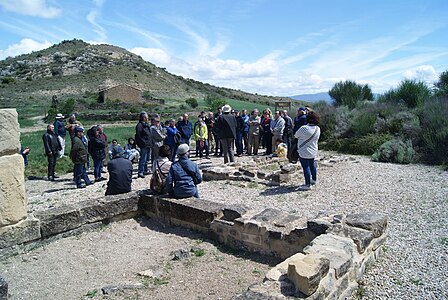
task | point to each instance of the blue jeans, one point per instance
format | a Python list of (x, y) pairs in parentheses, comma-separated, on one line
[(80, 173), (239, 143), (309, 170), (173, 149), (97, 166), (145, 154)]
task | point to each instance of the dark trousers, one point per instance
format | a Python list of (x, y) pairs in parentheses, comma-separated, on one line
[(80, 173), (245, 139), (201, 151), (51, 164), (267, 139), (227, 147), (218, 145), (97, 166), (239, 143)]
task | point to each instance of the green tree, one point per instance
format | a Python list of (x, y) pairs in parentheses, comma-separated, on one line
[(350, 93), (413, 93), (192, 102), (442, 84)]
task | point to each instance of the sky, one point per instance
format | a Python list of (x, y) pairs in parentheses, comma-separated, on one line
[(269, 47)]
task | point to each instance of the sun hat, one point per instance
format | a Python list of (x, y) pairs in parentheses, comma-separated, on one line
[(183, 148), (226, 108), (59, 116)]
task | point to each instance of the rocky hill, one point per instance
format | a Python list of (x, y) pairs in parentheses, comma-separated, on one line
[(75, 68)]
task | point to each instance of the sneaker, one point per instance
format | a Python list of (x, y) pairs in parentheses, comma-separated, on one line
[(80, 186), (313, 182), (304, 187)]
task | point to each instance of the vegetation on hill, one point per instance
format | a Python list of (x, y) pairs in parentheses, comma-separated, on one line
[(406, 124)]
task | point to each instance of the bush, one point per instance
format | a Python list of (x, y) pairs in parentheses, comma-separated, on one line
[(350, 93), (410, 92), (395, 151), (192, 102), (8, 80), (365, 145), (434, 131)]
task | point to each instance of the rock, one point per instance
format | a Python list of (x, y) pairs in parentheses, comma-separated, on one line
[(233, 212), (3, 289), (288, 168), (151, 273), (318, 226), (10, 134), (110, 289), (58, 220), (181, 254), (307, 273), (267, 215), (360, 237), (13, 203), (261, 174), (376, 223), (25, 231)]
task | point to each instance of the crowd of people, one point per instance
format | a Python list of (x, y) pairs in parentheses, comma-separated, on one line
[(163, 150)]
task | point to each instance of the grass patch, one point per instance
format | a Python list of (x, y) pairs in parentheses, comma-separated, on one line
[(91, 293)]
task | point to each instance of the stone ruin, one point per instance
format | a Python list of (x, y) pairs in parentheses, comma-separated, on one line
[(323, 257)]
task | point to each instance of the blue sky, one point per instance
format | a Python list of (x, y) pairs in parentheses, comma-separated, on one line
[(273, 47)]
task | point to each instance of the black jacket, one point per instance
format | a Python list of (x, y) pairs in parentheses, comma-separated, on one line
[(120, 176), (51, 143), (78, 154), (143, 135), (226, 126), (97, 148)]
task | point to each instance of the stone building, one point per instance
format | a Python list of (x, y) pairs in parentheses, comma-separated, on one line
[(122, 92)]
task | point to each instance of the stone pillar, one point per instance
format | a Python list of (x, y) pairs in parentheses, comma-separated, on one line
[(15, 226)]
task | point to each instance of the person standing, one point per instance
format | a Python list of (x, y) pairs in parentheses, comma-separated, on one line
[(254, 132), (201, 137), (288, 129), (143, 141), (172, 139), (184, 176), (210, 122), (186, 130), (307, 138), (265, 128), (72, 124), (226, 129), (61, 132), (239, 133), (51, 146), (277, 128), (98, 153), (245, 129), (120, 173), (158, 135), (78, 155)]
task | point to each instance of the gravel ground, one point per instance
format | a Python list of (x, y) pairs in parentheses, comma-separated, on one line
[(414, 197)]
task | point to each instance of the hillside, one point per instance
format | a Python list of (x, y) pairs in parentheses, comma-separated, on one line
[(324, 96), (75, 69)]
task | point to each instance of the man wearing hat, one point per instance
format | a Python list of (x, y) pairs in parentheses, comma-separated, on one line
[(61, 132), (226, 129), (120, 173), (78, 155), (183, 176)]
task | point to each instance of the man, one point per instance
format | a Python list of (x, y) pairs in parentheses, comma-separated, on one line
[(226, 129), (245, 128), (158, 135), (72, 124), (143, 141), (102, 136), (186, 130), (254, 133), (210, 122), (277, 128), (78, 155), (183, 176), (120, 173), (61, 132), (288, 129), (300, 119), (239, 133), (52, 146)]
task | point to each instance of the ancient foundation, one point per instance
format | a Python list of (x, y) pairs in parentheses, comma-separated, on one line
[(324, 257)]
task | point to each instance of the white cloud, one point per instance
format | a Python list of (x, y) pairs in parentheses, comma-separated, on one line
[(25, 46), (91, 17), (153, 55), (425, 73), (35, 8)]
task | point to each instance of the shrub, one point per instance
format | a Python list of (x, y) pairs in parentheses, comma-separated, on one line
[(442, 84), (410, 92), (395, 151), (434, 131), (363, 122), (192, 102), (365, 145), (8, 80), (350, 93)]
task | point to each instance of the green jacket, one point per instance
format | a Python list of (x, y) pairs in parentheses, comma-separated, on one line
[(78, 154)]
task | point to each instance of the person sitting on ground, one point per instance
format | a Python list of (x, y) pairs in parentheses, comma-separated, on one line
[(111, 146), (120, 173), (160, 168), (183, 176), (281, 150), (131, 151)]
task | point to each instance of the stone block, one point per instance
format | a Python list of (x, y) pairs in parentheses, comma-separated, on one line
[(261, 174), (318, 226), (148, 203), (376, 223), (3, 289), (25, 231), (58, 220), (13, 202), (216, 173), (360, 237), (288, 168), (233, 212), (284, 178), (307, 273), (10, 133), (339, 250), (249, 173), (378, 242), (108, 207), (267, 215)]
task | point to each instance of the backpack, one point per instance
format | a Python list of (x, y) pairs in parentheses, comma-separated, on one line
[(158, 183)]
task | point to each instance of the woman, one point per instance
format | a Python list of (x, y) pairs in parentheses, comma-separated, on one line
[(160, 168), (308, 136), (265, 127), (201, 137), (172, 138), (131, 151), (98, 153)]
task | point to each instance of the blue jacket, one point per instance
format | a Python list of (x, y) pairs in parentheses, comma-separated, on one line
[(179, 183), (170, 133), (186, 129), (246, 123), (59, 128), (299, 122)]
